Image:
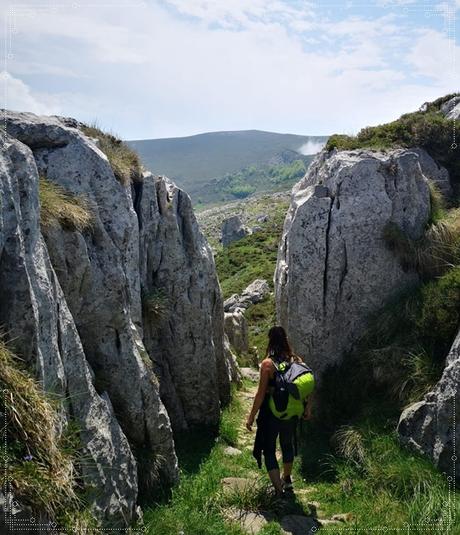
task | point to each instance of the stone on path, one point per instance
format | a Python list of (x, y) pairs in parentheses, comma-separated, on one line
[(249, 521), (229, 450), (298, 525), (343, 517)]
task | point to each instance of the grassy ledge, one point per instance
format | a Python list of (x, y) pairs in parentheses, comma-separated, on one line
[(125, 162), (427, 129)]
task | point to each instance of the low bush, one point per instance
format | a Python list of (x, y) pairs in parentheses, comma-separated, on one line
[(427, 129)]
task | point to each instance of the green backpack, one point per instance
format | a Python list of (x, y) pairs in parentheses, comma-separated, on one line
[(294, 382)]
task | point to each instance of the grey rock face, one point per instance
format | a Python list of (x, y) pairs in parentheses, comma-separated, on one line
[(236, 328), (429, 426), (233, 230), (233, 370), (434, 172), (99, 274), (256, 292), (451, 108), (334, 269), (35, 316), (176, 260)]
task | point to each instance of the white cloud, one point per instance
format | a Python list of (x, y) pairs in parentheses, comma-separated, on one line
[(200, 65), (18, 96)]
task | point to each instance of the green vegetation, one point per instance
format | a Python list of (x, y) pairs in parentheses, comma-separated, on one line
[(427, 129), (253, 257), (123, 159), (253, 179), (364, 471), (433, 254), (360, 470), (59, 207), (41, 462)]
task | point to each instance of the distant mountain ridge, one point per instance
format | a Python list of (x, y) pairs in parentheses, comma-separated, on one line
[(194, 161)]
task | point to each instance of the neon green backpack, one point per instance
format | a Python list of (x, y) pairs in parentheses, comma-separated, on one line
[(293, 384)]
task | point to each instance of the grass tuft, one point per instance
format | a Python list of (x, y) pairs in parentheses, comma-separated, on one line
[(432, 255), (156, 304), (59, 207), (125, 162), (40, 459)]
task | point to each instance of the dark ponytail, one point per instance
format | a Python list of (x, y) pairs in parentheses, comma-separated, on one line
[(278, 347)]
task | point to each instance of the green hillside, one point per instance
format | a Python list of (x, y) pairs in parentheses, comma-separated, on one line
[(196, 161)]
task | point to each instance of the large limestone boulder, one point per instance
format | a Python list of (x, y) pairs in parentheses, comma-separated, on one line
[(186, 342), (36, 319), (334, 269), (429, 426), (236, 328), (98, 271), (233, 230)]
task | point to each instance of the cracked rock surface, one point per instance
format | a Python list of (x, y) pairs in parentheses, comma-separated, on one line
[(334, 269)]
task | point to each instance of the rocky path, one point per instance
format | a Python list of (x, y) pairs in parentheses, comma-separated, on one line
[(296, 514)]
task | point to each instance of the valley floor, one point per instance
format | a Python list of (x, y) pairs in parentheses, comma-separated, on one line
[(222, 492)]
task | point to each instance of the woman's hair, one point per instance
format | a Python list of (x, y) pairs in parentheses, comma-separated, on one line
[(278, 346)]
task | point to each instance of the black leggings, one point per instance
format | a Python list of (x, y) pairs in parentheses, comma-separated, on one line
[(286, 430)]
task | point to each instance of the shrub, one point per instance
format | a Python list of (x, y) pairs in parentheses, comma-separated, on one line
[(59, 207), (124, 161)]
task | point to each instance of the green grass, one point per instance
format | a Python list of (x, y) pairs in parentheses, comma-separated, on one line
[(365, 472), (428, 129), (253, 257), (124, 161), (58, 207)]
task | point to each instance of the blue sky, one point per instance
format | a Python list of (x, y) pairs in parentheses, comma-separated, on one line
[(164, 68)]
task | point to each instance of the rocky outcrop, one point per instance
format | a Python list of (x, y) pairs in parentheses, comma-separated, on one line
[(176, 261), (256, 292), (233, 230), (236, 328), (78, 304), (35, 316), (334, 269), (429, 426), (451, 108)]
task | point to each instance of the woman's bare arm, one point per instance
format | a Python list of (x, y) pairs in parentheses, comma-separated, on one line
[(265, 373)]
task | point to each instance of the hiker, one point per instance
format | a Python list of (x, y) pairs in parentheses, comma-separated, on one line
[(279, 358)]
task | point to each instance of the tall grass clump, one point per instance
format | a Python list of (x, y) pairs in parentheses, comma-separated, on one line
[(435, 253), (59, 207), (156, 304), (124, 161), (40, 460)]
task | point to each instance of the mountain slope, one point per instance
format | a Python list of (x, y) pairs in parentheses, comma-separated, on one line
[(195, 160)]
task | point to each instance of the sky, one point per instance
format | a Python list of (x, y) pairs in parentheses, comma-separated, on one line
[(166, 68)]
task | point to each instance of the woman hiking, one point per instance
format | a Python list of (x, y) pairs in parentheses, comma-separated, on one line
[(279, 355)]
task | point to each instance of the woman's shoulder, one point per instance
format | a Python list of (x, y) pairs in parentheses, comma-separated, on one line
[(267, 364)]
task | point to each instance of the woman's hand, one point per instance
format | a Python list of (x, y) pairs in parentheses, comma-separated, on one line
[(250, 422)]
